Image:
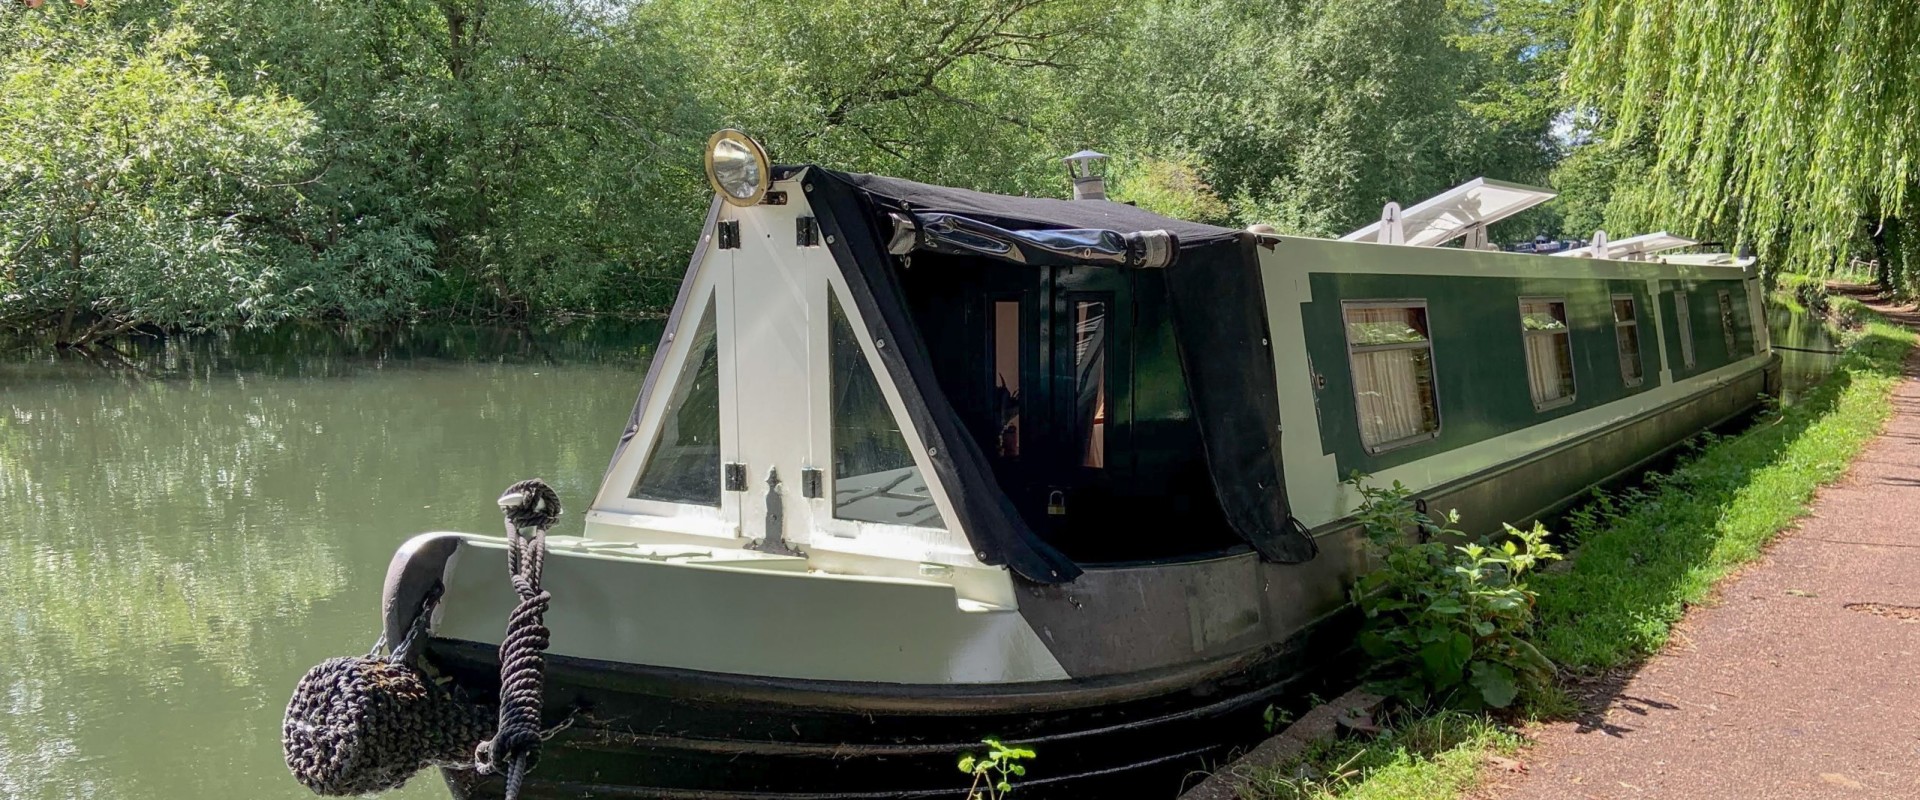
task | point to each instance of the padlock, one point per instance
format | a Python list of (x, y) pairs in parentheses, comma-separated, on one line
[(1057, 504)]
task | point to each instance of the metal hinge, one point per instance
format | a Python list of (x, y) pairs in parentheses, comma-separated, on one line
[(810, 483), (729, 234), (806, 232), (734, 477)]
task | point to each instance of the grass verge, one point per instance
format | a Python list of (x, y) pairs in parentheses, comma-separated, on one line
[(1644, 556)]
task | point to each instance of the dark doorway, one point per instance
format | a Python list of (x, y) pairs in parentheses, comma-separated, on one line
[(1070, 380)]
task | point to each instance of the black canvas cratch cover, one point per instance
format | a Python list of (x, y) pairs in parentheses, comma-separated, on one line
[(1219, 318)]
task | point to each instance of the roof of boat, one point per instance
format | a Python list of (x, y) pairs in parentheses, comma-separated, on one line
[(1026, 212)]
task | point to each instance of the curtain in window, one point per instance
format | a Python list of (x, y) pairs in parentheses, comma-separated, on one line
[(1549, 368), (1543, 324), (1393, 388)]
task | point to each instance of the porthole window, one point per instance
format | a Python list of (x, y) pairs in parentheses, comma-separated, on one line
[(1626, 332), (1391, 354), (1549, 347)]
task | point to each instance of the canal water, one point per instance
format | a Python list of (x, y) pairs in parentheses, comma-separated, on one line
[(1808, 349), (182, 535), (185, 531)]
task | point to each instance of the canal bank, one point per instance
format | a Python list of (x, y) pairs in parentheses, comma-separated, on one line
[(1793, 681), (1637, 572)]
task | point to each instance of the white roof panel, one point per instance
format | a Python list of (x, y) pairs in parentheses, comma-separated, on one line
[(1447, 215), (1709, 260), (1644, 244)]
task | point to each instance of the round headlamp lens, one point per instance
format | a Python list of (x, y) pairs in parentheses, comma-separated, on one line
[(737, 167)]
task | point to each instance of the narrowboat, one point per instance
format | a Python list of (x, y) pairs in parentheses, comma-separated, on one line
[(914, 466)]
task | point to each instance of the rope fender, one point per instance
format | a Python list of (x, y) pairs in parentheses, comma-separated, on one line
[(364, 724), (530, 505)]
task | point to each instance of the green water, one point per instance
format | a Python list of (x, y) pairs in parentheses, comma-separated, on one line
[(1808, 350), (187, 532)]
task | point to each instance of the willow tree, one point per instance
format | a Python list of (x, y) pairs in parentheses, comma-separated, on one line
[(1792, 124)]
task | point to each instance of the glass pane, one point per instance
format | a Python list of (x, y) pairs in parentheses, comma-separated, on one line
[(874, 477), (1090, 379), (1683, 321), (1726, 323), (1623, 309), (684, 465), (1629, 336), (1367, 326), (1394, 389), (1550, 368), (1543, 315), (1006, 377)]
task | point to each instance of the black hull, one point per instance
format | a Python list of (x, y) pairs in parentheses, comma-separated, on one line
[(657, 733)]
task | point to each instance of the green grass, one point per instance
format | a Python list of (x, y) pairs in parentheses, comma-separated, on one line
[(1436, 755), (1644, 556)]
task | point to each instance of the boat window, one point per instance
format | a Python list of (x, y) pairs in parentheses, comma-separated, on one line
[(874, 475), (1626, 329), (1005, 382), (1549, 342), (1726, 322), (684, 463), (1090, 375), (1683, 320), (1391, 356)]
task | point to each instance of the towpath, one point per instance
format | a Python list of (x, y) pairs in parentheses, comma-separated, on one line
[(1801, 681)]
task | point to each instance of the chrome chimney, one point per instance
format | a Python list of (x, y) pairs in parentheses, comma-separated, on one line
[(1088, 171)]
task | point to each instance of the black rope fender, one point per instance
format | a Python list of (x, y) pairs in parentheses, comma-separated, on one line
[(530, 507), (364, 724)]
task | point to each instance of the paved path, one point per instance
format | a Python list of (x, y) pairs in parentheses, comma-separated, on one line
[(1803, 681)]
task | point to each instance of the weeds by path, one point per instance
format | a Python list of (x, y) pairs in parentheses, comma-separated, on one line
[(1643, 559)]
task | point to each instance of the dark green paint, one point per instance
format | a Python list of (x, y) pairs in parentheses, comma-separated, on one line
[(1709, 340), (1479, 358)]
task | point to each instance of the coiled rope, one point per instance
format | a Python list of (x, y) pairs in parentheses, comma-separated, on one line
[(530, 507)]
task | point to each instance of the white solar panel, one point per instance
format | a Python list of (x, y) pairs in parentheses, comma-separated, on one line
[(1452, 213), (1635, 247), (1708, 260)]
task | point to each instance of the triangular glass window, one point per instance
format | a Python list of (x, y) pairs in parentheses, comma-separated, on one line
[(684, 464), (874, 475)]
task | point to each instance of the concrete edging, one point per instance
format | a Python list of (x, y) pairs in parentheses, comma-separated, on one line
[(1322, 724)]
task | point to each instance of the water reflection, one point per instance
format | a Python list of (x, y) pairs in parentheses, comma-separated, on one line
[(1808, 349), (190, 527)]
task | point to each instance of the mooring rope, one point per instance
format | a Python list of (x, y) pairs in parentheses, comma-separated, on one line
[(530, 507)]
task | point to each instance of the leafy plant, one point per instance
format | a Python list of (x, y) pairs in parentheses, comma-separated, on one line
[(1446, 621), (1274, 718), (994, 772)]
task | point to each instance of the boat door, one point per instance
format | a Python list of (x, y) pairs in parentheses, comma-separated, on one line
[(726, 433), (775, 428), (776, 290), (1058, 343)]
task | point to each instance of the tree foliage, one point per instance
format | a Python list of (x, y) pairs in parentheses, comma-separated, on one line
[(137, 187), (1789, 123), (513, 158)]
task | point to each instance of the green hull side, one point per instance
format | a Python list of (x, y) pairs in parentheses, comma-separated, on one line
[(1480, 360)]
